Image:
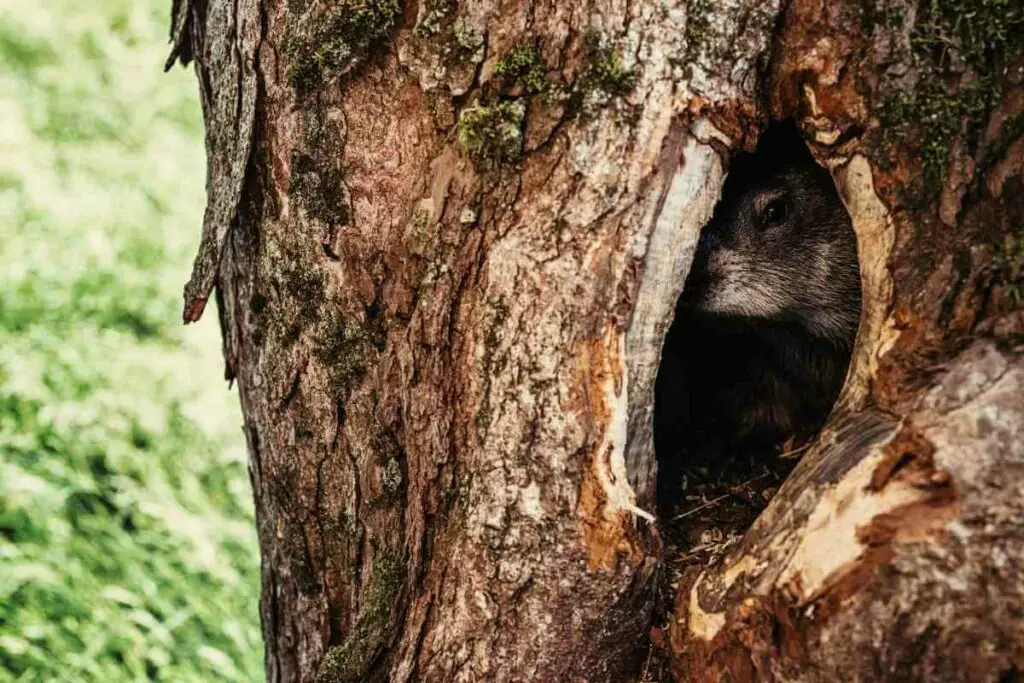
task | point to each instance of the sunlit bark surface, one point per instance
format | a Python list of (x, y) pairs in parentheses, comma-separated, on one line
[(446, 240)]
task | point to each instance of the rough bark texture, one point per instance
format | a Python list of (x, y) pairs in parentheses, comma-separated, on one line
[(447, 239), (895, 550)]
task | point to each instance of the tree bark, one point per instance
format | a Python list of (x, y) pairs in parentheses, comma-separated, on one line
[(895, 549), (447, 239)]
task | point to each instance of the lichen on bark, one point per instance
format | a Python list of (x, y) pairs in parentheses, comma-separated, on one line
[(959, 49), (444, 50), (323, 40), (522, 66), (490, 131), (604, 77), (492, 134), (353, 659)]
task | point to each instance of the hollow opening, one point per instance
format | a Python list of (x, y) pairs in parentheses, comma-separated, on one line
[(759, 347)]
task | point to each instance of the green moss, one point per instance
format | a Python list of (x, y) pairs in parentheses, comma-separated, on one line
[(454, 41), (951, 39), (490, 130), (969, 30), (603, 79), (887, 13), (492, 134), (931, 118), (604, 67), (353, 659), (321, 43), (522, 66)]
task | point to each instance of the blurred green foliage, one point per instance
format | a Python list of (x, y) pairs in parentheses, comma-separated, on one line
[(127, 549)]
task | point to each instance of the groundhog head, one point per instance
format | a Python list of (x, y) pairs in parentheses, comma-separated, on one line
[(780, 245)]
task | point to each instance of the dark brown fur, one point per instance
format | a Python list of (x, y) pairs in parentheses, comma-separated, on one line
[(764, 329)]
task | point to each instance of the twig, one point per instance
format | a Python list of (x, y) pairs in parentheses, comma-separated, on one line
[(715, 501), (701, 507), (796, 451)]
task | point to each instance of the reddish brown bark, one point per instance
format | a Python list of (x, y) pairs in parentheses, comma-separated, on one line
[(447, 239), (894, 550)]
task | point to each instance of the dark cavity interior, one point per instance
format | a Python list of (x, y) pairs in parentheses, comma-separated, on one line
[(759, 347)]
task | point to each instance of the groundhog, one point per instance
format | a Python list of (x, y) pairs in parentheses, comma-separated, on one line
[(764, 328)]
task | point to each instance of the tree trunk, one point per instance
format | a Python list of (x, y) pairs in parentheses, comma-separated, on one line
[(447, 239), (895, 550)]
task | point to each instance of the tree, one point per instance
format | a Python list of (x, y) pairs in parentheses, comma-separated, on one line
[(446, 241)]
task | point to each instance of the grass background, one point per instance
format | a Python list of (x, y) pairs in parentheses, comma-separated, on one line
[(127, 549)]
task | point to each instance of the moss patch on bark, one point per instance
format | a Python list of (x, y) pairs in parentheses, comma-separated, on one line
[(492, 134), (960, 48), (491, 130), (324, 40), (353, 659)]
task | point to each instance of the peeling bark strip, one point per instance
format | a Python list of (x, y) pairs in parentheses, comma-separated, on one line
[(449, 237), (224, 37)]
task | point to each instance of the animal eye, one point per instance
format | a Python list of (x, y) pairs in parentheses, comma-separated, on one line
[(776, 212)]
